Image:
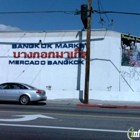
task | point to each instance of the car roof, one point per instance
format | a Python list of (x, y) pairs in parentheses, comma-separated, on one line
[(27, 85), (13, 83)]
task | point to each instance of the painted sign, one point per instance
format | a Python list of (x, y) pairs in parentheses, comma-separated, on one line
[(36, 54), (130, 51)]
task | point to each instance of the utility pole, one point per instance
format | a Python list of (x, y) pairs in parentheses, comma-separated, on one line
[(87, 69)]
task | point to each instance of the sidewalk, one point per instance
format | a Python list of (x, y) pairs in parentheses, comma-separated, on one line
[(96, 103)]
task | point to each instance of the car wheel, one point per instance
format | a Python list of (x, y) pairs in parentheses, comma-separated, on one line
[(24, 100)]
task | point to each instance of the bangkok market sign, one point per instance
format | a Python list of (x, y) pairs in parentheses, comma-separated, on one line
[(46, 53)]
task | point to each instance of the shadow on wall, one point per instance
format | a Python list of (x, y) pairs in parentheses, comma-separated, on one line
[(80, 34), (97, 59), (81, 48), (81, 96)]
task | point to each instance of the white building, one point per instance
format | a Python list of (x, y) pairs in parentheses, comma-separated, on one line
[(51, 61)]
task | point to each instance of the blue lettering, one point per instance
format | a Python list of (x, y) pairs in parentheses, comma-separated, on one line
[(17, 62), (76, 45), (22, 46), (81, 45), (43, 45), (19, 46), (71, 62), (43, 62), (70, 45), (25, 46), (22, 62), (36, 63), (65, 46), (32, 62), (60, 62), (14, 46), (81, 62), (31, 46), (76, 62), (55, 63), (26, 62), (49, 46), (46, 46), (66, 62), (11, 62), (49, 62), (37, 46), (58, 45)]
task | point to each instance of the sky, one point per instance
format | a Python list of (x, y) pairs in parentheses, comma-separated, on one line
[(128, 24)]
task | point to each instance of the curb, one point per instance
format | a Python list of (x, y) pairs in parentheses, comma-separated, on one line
[(108, 106)]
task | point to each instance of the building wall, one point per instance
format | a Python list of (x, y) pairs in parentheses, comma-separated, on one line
[(105, 64), (64, 77)]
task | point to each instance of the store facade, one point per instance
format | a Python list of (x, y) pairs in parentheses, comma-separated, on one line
[(55, 61)]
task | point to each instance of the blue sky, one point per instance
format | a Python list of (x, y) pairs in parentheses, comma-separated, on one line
[(60, 21)]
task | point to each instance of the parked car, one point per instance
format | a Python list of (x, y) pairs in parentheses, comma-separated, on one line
[(20, 92)]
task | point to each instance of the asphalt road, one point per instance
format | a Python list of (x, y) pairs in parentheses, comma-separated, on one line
[(48, 121)]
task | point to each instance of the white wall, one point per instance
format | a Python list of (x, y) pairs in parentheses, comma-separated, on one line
[(67, 81), (105, 64), (130, 79)]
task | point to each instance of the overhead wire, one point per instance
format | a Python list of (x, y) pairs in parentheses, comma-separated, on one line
[(43, 41), (70, 12), (103, 9), (101, 19), (99, 9), (110, 22), (98, 6), (38, 12), (115, 12), (43, 65)]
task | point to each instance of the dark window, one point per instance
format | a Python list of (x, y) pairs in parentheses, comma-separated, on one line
[(12, 86), (4, 86), (17, 86), (31, 87), (22, 86)]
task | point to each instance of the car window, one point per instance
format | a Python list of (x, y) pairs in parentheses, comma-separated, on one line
[(22, 86), (30, 86), (12, 86), (4, 86), (17, 86)]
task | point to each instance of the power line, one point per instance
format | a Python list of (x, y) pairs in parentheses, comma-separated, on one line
[(38, 12), (101, 18), (100, 5), (69, 12), (115, 12)]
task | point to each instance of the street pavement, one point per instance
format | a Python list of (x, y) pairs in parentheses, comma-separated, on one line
[(96, 103), (63, 119)]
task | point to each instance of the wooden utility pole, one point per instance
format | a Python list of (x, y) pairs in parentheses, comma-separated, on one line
[(87, 69)]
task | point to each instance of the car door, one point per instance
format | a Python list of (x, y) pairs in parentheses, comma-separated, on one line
[(13, 93), (3, 94)]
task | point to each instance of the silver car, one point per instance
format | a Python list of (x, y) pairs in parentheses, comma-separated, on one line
[(20, 92)]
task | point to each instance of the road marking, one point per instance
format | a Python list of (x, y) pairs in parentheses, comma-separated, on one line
[(64, 128), (74, 115), (26, 118)]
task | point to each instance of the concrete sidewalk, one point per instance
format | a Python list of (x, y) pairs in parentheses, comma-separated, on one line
[(96, 103)]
